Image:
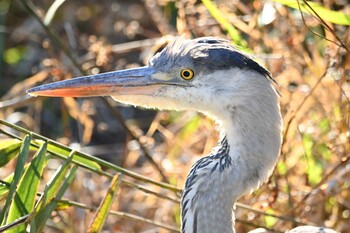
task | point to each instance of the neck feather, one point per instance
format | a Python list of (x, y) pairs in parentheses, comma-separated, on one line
[(244, 158)]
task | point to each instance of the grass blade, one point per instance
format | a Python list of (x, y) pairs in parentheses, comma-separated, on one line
[(24, 198), (52, 188), (65, 153), (52, 11), (6, 183), (17, 174), (9, 150), (90, 162), (45, 210), (225, 24), (336, 17), (103, 209), (65, 204)]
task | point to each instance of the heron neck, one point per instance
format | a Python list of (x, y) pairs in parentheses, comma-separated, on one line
[(207, 206), (243, 160)]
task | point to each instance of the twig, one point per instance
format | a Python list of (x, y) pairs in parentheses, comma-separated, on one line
[(325, 25), (121, 214), (287, 219), (31, 9), (99, 161), (26, 217), (119, 117), (129, 183), (296, 111), (345, 160), (21, 220), (135, 45), (158, 18), (16, 102)]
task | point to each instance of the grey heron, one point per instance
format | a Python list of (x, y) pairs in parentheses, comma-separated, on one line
[(211, 76)]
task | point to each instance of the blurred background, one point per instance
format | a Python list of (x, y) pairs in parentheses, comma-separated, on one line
[(43, 41)]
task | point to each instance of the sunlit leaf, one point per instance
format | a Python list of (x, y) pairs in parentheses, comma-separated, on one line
[(14, 55), (225, 24), (314, 166), (282, 168), (24, 199), (269, 220), (308, 144), (63, 205), (324, 151), (315, 170), (52, 194), (78, 159), (4, 188), (103, 209), (6, 182), (9, 150), (23, 154), (336, 17), (324, 125), (55, 182), (191, 126)]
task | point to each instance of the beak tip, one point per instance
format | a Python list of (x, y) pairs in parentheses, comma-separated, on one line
[(32, 92)]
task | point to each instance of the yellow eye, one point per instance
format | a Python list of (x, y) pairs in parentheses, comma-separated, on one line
[(187, 74)]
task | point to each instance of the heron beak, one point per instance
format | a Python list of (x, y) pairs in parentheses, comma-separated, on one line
[(139, 81)]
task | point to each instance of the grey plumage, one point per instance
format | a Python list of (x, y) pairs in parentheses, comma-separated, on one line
[(206, 54), (217, 161), (226, 85)]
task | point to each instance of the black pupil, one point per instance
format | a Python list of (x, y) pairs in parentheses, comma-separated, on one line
[(186, 74)]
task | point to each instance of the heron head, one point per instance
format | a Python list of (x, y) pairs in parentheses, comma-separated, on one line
[(203, 74)]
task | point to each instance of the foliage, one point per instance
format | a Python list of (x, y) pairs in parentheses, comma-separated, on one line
[(133, 181), (316, 9)]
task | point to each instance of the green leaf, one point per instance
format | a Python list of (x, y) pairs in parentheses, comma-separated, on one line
[(308, 144), (225, 24), (23, 154), (56, 181), (324, 151), (103, 210), (314, 172), (52, 194), (9, 150), (190, 127), (314, 167), (6, 183), (282, 168), (4, 189), (63, 153), (14, 55), (336, 17), (62, 205), (324, 125), (269, 220), (89, 162), (24, 199)]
